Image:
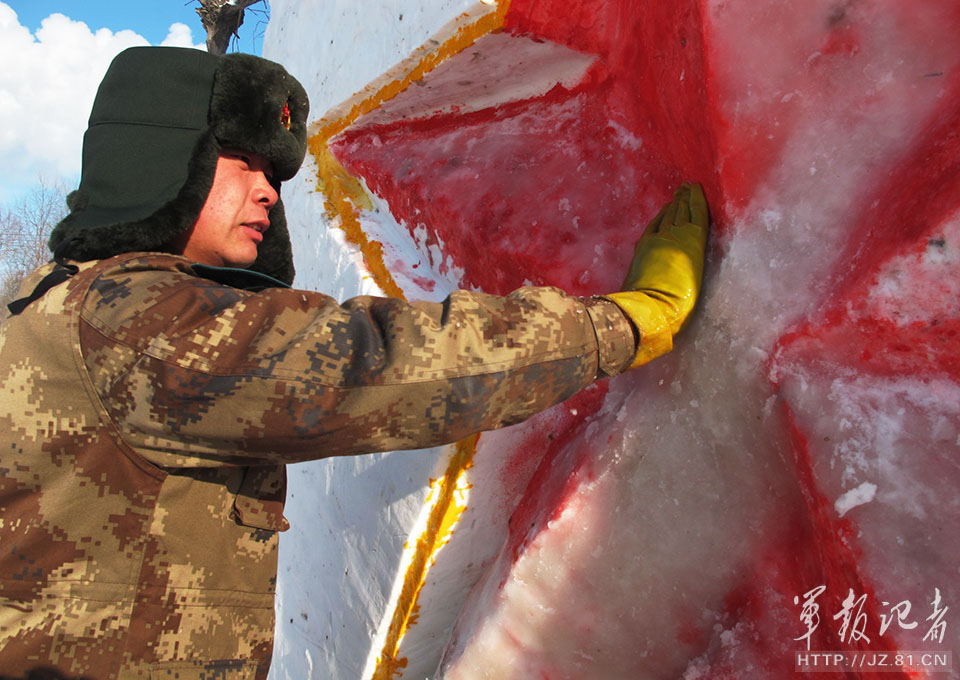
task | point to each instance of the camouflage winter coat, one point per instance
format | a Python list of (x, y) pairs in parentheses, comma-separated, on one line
[(147, 414)]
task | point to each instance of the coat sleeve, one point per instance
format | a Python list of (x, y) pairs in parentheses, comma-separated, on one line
[(195, 374)]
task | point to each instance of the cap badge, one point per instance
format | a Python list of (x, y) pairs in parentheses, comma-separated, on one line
[(285, 116)]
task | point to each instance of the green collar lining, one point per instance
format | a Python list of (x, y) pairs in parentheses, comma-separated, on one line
[(243, 279)]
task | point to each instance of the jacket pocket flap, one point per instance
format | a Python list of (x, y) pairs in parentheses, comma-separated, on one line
[(259, 502)]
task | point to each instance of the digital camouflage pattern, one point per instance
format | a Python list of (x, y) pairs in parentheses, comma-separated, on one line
[(149, 414)]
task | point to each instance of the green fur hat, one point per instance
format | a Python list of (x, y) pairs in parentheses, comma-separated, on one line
[(159, 121)]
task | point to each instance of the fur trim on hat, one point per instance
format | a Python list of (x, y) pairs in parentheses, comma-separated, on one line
[(247, 111), (152, 233)]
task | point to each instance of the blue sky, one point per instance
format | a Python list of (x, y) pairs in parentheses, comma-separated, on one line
[(149, 18), (55, 53)]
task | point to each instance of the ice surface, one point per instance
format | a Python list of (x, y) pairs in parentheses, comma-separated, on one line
[(350, 518), (806, 429), (494, 70)]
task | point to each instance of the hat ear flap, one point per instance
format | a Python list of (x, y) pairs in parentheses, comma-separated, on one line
[(274, 255), (152, 233)]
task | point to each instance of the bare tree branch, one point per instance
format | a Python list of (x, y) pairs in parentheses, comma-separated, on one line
[(221, 20)]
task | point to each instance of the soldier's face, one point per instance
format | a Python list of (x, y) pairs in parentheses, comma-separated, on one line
[(234, 218)]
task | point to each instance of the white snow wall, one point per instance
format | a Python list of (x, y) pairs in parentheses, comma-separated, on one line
[(349, 517)]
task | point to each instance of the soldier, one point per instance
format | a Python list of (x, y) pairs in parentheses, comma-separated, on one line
[(159, 373)]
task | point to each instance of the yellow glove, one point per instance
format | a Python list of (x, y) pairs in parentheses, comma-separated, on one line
[(664, 278)]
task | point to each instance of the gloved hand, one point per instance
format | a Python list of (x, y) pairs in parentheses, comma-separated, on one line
[(664, 278)]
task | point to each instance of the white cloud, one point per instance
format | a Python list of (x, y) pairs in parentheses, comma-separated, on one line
[(47, 86), (179, 35)]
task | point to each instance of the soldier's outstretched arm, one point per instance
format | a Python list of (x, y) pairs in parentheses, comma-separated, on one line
[(196, 374)]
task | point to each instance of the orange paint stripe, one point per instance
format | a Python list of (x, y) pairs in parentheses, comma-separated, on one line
[(344, 194)]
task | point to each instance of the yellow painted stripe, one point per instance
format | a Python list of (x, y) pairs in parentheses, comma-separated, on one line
[(344, 197), (445, 504)]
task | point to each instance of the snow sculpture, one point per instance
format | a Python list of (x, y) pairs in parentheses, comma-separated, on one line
[(784, 481)]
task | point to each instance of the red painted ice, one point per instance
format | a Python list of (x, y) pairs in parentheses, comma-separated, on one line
[(805, 432)]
